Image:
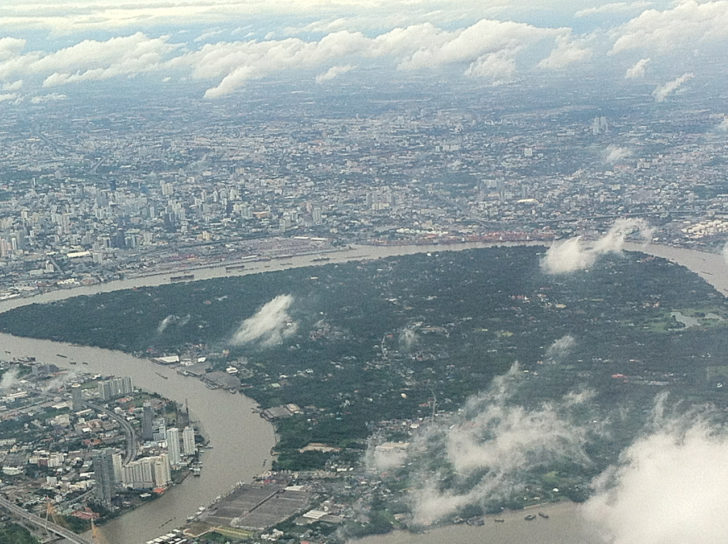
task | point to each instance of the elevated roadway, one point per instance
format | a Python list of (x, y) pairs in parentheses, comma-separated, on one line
[(131, 439), (41, 523)]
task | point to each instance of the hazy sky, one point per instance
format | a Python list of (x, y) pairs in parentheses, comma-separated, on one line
[(51, 47)]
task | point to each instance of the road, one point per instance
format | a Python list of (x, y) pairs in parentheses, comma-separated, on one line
[(41, 523), (131, 440)]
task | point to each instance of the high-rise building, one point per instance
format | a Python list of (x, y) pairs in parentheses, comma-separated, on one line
[(173, 446), (139, 474), (188, 440), (147, 472), (104, 389), (115, 387), (103, 465), (162, 473), (600, 125), (147, 420), (76, 397), (118, 467), (123, 385), (159, 426)]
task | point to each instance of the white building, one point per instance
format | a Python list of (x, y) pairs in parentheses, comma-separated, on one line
[(147, 472), (118, 467), (188, 440), (162, 471), (173, 446)]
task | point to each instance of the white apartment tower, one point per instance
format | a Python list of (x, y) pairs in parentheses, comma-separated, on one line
[(173, 446), (188, 440), (162, 473)]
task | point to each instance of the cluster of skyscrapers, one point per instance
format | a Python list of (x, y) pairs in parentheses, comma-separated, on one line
[(144, 473), (148, 472)]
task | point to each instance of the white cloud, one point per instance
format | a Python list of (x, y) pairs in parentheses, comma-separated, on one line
[(570, 255), (472, 43), (91, 60), (93, 53), (663, 91), (10, 47), (15, 66), (384, 456), (51, 97), (61, 381), (4, 97), (437, 36), (9, 379), (566, 256), (239, 62), (615, 153), (13, 85), (408, 338), (723, 125), (561, 347), (637, 70), (567, 52), (686, 25), (172, 320), (669, 487), (333, 72), (205, 36), (269, 326), (402, 41), (75, 16), (613, 8), (486, 49), (499, 67), (490, 444)]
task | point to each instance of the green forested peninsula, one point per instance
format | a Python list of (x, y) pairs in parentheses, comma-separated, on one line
[(398, 338)]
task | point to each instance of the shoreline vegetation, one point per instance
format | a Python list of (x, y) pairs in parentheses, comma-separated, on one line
[(699, 266), (705, 263)]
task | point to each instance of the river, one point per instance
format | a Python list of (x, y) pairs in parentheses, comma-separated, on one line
[(242, 440), (563, 526)]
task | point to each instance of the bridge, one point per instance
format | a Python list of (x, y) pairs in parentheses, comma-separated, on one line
[(41, 523)]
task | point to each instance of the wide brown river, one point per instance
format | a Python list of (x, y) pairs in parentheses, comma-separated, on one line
[(242, 441)]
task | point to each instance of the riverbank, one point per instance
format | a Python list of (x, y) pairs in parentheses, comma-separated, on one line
[(564, 525), (709, 266), (351, 253), (712, 267)]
